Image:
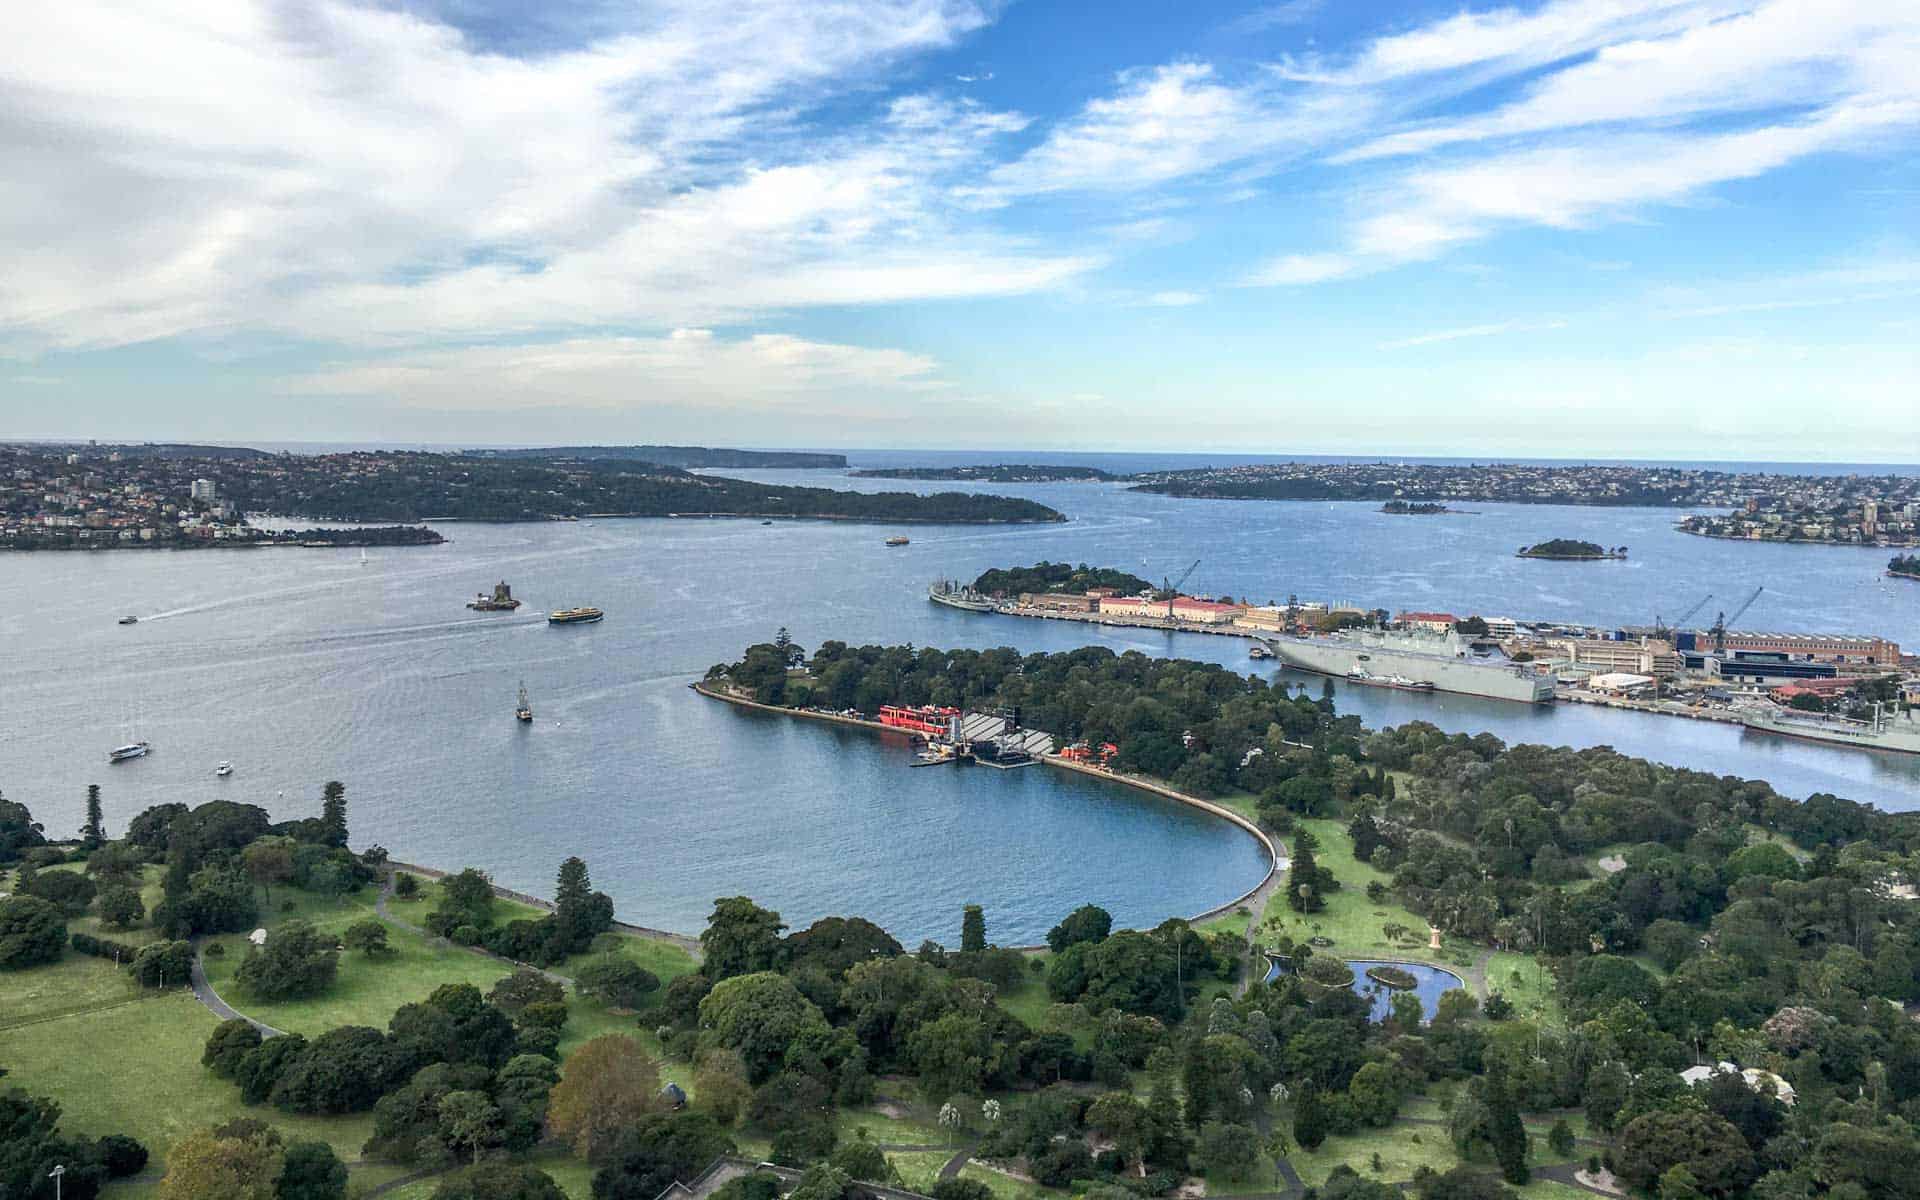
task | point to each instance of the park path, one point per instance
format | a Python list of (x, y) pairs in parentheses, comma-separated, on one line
[(1477, 976), (204, 993), (1257, 905)]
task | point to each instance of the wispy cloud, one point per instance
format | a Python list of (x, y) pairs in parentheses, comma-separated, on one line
[(1494, 329)]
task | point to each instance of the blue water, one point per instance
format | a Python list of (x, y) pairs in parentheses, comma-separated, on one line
[(1433, 983), (303, 665)]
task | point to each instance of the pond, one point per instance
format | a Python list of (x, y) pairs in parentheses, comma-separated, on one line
[(1431, 983)]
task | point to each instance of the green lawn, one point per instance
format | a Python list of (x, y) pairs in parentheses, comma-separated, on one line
[(1402, 1150), (918, 1169), (136, 1070), (1002, 1186), (75, 984), (1352, 920)]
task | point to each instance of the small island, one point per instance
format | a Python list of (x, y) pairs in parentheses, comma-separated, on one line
[(1044, 577), (1414, 508), (1904, 566), (992, 473), (1571, 550), (1396, 978)]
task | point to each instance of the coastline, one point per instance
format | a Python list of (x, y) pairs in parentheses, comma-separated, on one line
[(1276, 861), (1680, 527)]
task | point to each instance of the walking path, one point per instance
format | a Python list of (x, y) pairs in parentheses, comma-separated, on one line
[(204, 993)]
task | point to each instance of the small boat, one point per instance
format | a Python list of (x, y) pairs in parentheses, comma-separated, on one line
[(224, 769), (131, 750), (525, 711), (766, 522), (574, 616), (129, 620), (897, 540), (1258, 651)]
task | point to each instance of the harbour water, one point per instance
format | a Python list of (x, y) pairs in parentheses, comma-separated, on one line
[(305, 665)]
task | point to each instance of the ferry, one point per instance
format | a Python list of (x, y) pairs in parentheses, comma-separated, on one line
[(224, 769), (525, 711), (1398, 682), (574, 616), (132, 750), (897, 540), (1258, 651)]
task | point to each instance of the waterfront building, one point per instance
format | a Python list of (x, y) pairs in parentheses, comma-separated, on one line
[(1205, 612), (1620, 683), (1642, 656), (1432, 622), (1502, 627), (1132, 606), (1060, 601), (1267, 618), (204, 491), (1835, 648)]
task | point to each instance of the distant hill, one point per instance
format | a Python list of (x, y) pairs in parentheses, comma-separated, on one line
[(675, 456), (996, 473), (151, 450)]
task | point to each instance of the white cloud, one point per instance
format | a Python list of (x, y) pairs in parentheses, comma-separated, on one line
[(1494, 329), (1176, 299), (361, 174), (1695, 98), (689, 367)]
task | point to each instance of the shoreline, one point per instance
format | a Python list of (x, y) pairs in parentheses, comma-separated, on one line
[(1680, 527), (1276, 861)]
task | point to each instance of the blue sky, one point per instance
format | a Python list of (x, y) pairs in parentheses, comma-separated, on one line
[(1637, 228)]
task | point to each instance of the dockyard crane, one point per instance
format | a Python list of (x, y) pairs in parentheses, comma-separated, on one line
[(1719, 630), (1172, 586), (1660, 629)]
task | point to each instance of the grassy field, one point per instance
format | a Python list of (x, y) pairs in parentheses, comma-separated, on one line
[(919, 1169), (1402, 1149), (136, 1070), (1355, 923)]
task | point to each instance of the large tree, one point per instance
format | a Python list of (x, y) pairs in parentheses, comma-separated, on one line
[(206, 1164), (645, 1159), (312, 1171), (1706, 1144), (973, 929), (31, 932), (499, 1181), (18, 830), (760, 1016), (605, 1086), (740, 939), (298, 960), (93, 834), (333, 813)]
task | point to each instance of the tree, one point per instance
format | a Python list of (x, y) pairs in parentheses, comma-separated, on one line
[(499, 1181), (863, 1160), (68, 891), (18, 830), (1088, 923), (31, 932), (297, 960), (740, 938), (469, 1119), (204, 1166), (228, 1045), (343, 1070), (605, 1085), (1229, 1149), (269, 861), (720, 1086), (523, 988), (1309, 1117), (973, 929), (260, 1071), (657, 1150), (1305, 889), (822, 1181), (333, 814), (121, 907), (960, 1189), (759, 1016), (1710, 1148), (1560, 1138), (93, 834), (579, 911), (369, 937), (311, 1171), (617, 981), (466, 900), (163, 964), (1124, 1120), (1504, 1128)]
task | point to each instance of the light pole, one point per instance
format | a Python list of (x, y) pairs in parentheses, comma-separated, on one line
[(56, 1174)]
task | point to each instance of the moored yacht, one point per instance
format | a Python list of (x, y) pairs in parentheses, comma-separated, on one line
[(130, 750)]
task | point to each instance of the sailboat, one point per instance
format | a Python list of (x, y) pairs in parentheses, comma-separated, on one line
[(363, 556), (525, 711)]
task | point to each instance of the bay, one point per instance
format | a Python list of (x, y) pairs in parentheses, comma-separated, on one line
[(304, 665)]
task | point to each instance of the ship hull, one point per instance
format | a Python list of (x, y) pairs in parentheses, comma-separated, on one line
[(963, 603), (1327, 657), (587, 620), (1895, 740)]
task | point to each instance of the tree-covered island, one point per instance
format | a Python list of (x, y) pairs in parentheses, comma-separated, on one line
[(1906, 566), (1571, 550), (1414, 508), (1057, 577)]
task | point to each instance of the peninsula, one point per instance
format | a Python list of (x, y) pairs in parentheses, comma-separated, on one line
[(1904, 566), (690, 457), (995, 473), (87, 496), (1571, 550)]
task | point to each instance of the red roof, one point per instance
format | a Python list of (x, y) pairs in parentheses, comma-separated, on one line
[(1449, 618), (1205, 605)]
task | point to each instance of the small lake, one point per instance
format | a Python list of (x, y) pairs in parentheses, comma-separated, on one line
[(1433, 983)]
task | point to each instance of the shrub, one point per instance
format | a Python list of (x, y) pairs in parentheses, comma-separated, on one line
[(406, 887), (31, 932), (164, 964), (369, 937), (618, 982), (121, 1155), (119, 952), (228, 1046), (68, 891), (523, 988), (297, 960)]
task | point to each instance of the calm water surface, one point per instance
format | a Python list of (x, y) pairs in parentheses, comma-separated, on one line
[(304, 665)]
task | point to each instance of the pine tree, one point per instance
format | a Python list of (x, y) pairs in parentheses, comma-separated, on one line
[(333, 813), (973, 929), (573, 908), (1304, 885), (94, 833), (174, 915), (1504, 1129), (1309, 1117)]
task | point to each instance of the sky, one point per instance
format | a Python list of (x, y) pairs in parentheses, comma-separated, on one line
[(1681, 229)]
